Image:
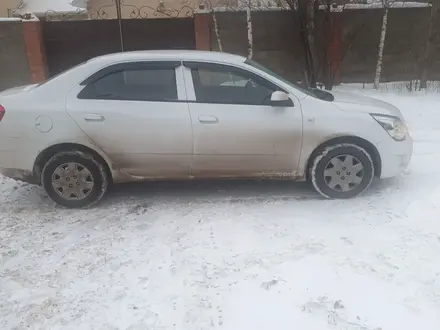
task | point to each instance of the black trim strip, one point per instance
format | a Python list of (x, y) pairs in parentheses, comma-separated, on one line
[(207, 65), (130, 66)]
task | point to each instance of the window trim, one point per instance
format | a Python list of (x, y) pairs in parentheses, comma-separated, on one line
[(130, 66), (114, 68), (191, 65)]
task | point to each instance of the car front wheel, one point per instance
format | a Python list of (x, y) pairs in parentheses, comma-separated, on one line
[(342, 171), (75, 179)]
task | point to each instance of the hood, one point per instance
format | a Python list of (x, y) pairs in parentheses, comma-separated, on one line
[(18, 89), (360, 103)]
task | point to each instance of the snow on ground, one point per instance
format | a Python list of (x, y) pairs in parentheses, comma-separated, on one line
[(231, 255)]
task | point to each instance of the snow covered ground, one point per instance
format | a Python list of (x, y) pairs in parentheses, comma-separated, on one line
[(229, 255)]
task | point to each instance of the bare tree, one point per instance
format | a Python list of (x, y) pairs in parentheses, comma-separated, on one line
[(317, 37), (329, 32), (303, 13), (231, 6), (249, 29), (216, 30), (328, 37), (207, 5), (383, 34), (335, 45)]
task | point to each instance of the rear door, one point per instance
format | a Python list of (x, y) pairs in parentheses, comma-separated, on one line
[(138, 115), (237, 131)]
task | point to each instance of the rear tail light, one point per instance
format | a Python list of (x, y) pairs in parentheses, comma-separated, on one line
[(2, 112)]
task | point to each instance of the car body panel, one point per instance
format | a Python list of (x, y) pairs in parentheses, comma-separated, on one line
[(365, 104), (155, 140), (245, 140), (21, 140), (238, 140), (143, 139)]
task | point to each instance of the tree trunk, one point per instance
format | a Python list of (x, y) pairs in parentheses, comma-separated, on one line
[(249, 29), (425, 63), (299, 15), (328, 44), (216, 30), (119, 16), (381, 47), (310, 25), (303, 14)]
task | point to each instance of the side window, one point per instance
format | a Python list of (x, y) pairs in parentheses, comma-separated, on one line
[(228, 85), (141, 83)]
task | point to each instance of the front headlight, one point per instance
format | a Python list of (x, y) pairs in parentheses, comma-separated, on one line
[(395, 127)]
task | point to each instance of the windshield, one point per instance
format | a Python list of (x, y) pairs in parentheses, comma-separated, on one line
[(303, 89)]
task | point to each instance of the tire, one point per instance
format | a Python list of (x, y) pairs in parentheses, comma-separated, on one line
[(92, 179), (333, 181)]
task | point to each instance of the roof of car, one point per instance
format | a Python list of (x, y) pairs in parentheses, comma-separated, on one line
[(190, 55)]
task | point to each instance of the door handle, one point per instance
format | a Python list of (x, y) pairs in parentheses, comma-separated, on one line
[(208, 119), (93, 117)]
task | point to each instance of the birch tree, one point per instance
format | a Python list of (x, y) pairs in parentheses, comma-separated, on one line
[(383, 34), (249, 29), (216, 30), (207, 4)]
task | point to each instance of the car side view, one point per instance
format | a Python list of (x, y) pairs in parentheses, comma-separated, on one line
[(156, 115)]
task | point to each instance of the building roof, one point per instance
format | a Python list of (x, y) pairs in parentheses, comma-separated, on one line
[(41, 7)]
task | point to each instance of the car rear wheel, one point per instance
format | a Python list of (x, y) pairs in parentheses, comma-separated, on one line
[(342, 171), (75, 179)]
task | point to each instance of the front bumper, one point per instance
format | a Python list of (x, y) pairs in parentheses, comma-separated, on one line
[(395, 157)]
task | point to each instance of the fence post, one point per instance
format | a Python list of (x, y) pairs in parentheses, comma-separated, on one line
[(202, 27), (33, 39)]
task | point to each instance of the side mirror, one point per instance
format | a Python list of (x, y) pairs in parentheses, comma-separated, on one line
[(280, 99)]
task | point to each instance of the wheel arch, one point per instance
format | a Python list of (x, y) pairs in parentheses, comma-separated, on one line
[(368, 146), (47, 153)]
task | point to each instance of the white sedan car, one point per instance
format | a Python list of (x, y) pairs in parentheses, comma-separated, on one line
[(188, 115)]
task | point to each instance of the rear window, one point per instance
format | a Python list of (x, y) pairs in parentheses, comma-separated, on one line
[(134, 83)]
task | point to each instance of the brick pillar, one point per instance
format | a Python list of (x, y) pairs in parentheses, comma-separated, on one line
[(202, 26), (33, 38), (336, 48)]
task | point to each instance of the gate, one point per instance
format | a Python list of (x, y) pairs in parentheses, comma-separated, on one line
[(73, 39)]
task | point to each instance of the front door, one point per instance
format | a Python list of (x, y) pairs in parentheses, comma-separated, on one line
[(137, 114), (237, 132)]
